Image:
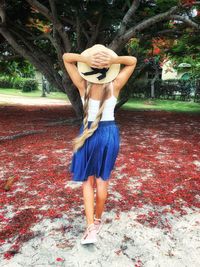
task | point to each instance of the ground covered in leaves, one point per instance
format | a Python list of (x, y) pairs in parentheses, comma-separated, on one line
[(153, 201)]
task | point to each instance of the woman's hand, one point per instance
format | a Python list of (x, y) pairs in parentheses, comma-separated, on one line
[(99, 60)]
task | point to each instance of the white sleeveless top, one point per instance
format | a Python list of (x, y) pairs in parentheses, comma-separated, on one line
[(108, 111)]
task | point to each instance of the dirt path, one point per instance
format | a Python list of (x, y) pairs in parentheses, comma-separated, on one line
[(33, 101)]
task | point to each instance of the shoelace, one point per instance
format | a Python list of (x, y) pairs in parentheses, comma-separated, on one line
[(89, 229)]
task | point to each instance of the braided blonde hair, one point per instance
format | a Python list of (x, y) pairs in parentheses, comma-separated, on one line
[(80, 140)]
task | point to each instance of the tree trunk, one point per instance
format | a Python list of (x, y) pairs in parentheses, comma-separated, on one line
[(73, 95), (124, 99), (121, 102), (42, 63), (153, 83)]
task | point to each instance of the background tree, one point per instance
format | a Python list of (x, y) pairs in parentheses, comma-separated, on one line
[(41, 31), (187, 50), (16, 67)]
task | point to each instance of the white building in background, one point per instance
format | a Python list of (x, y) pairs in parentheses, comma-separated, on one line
[(169, 73)]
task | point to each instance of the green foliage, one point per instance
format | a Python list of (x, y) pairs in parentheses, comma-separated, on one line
[(164, 5), (179, 48), (17, 68), (35, 27), (187, 50), (6, 82), (162, 104), (30, 85), (24, 84), (18, 83)]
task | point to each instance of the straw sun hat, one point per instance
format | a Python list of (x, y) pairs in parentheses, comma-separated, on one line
[(96, 75)]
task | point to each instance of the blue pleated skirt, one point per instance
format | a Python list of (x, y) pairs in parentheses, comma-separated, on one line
[(98, 154)]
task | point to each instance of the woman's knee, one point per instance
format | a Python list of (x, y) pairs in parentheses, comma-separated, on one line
[(89, 182), (101, 183)]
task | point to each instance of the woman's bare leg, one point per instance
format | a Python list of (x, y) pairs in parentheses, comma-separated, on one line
[(88, 197), (101, 196)]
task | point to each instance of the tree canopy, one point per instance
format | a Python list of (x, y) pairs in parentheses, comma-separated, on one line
[(42, 30)]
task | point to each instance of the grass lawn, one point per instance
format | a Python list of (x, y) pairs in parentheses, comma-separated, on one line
[(157, 104), (132, 104), (37, 93)]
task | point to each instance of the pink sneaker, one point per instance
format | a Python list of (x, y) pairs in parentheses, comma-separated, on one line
[(90, 235), (98, 223)]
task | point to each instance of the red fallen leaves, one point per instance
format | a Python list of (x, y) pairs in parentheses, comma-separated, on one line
[(8, 255), (153, 219), (138, 263), (155, 167), (21, 222), (60, 259)]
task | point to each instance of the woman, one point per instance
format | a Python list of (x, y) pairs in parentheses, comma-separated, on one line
[(99, 80)]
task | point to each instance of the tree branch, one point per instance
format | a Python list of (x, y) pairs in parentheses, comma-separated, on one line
[(48, 36), (52, 17), (119, 42), (85, 33), (10, 58), (169, 32), (12, 137), (2, 13), (149, 22), (95, 32), (38, 59), (78, 32), (128, 16), (59, 27), (185, 20), (89, 23), (66, 20), (41, 8)]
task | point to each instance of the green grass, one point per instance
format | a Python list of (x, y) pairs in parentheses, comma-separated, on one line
[(36, 93), (132, 104), (157, 104)]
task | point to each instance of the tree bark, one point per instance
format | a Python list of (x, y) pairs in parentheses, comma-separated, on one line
[(46, 12), (128, 17), (153, 83), (124, 99), (188, 21), (12, 137), (120, 41)]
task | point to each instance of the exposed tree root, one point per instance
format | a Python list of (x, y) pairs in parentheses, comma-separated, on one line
[(15, 136), (72, 121)]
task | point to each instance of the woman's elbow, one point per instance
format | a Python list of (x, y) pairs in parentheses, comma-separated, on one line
[(64, 57), (134, 60)]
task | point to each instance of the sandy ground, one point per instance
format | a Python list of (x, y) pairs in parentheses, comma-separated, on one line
[(32, 101), (121, 242)]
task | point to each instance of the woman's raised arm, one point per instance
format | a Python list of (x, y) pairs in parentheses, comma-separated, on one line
[(70, 60), (123, 76), (129, 61)]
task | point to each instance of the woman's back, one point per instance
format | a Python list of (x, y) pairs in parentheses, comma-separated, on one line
[(110, 102)]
